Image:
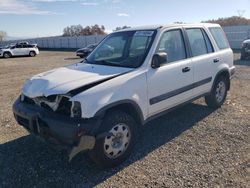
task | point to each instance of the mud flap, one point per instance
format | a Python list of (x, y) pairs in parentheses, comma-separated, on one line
[(86, 142)]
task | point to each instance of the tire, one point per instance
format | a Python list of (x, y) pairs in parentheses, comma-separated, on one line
[(218, 94), (6, 54), (32, 54), (110, 151)]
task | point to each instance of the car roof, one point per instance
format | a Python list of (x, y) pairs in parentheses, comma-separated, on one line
[(154, 27), (246, 41)]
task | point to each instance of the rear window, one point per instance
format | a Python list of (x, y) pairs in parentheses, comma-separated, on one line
[(219, 37)]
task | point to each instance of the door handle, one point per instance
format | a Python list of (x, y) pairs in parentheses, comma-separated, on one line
[(216, 60), (186, 69)]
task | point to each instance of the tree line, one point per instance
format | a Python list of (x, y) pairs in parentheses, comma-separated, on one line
[(230, 21), (79, 30)]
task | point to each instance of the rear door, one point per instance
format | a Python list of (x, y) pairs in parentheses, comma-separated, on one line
[(171, 83), (26, 49), (204, 58)]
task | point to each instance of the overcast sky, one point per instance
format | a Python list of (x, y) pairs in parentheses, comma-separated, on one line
[(34, 18)]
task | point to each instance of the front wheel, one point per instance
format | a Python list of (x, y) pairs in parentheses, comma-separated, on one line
[(117, 145), (7, 55), (219, 93)]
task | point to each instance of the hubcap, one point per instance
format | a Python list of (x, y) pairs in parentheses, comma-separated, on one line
[(116, 144), (6, 55), (220, 91)]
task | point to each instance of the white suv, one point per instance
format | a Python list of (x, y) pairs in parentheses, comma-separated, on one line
[(131, 77), (20, 49)]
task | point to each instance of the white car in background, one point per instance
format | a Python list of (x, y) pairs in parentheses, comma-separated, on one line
[(19, 49)]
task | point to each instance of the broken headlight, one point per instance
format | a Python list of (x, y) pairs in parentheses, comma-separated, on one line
[(76, 110)]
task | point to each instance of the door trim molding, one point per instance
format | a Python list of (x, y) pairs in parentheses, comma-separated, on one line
[(173, 93)]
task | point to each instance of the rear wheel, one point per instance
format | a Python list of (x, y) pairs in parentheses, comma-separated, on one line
[(32, 54), (7, 55), (219, 93), (118, 143)]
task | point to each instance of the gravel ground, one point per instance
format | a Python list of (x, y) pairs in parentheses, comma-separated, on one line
[(193, 146)]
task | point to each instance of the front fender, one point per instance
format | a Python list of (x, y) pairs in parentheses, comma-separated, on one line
[(129, 87)]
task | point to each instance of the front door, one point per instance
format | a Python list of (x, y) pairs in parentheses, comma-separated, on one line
[(17, 50), (171, 83)]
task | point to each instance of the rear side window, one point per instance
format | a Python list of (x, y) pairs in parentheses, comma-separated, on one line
[(219, 37), (197, 42)]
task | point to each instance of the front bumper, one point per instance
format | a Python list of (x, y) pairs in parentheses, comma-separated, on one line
[(52, 127), (245, 50), (232, 71)]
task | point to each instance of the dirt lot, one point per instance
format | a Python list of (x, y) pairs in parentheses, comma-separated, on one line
[(193, 146)]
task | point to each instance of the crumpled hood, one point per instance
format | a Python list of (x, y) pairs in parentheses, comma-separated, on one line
[(65, 79)]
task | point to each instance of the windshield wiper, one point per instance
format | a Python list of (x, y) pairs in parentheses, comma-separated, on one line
[(86, 60)]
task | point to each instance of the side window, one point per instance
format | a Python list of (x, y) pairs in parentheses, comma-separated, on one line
[(219, 37), (197, 42), (210, 48), (173, 44)]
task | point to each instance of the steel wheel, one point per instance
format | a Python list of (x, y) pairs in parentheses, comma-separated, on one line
[(6, 55), (220, 91), (117, 138), (117, 144)]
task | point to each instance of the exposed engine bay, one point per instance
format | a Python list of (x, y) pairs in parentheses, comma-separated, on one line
[(56, 103)]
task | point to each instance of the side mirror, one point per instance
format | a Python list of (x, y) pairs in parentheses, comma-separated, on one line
[(158, 59)]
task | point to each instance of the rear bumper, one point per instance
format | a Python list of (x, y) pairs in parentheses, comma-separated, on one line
[(54, 128)]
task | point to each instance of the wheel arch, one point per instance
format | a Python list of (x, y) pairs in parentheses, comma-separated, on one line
[(33, 51), (8, 52), (223, 72), (128, 106)]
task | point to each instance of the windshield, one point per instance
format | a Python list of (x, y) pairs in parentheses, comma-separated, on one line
[(123, 49)]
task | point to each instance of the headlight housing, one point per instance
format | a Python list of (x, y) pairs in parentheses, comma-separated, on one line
[(76, 110)]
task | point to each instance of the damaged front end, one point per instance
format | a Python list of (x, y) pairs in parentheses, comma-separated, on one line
[(56, 103), (57, 120)]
